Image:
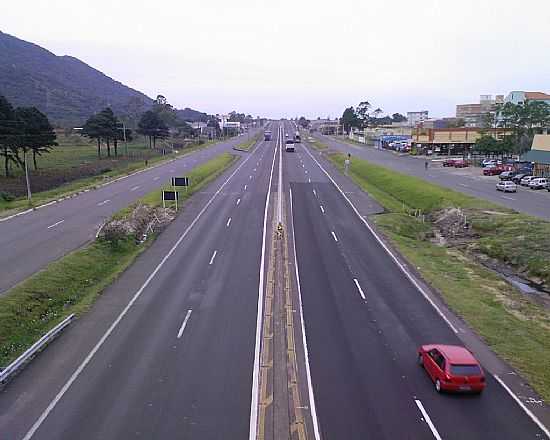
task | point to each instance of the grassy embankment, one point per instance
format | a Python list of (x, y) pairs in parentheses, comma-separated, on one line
[(247, 145), (71, 284), (515, 327), (75, 153)]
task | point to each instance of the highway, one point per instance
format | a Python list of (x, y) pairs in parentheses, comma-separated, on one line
[(536, 203), (170, 350), (30, 241)]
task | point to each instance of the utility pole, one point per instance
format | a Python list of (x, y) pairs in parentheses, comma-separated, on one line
[(125, 142), (29, 195)]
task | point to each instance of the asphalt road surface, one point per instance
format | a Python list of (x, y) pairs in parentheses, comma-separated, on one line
[(29, 242), (169, 350), (531, 202), (179, 363)]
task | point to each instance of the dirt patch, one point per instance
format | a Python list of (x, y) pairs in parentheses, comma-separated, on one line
[(452, 226)]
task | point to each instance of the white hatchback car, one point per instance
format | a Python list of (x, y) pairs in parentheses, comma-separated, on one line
[(526, 180), (538, 183), (507, 186)]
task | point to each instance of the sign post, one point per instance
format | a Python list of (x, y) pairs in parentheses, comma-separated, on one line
[(169, 195)]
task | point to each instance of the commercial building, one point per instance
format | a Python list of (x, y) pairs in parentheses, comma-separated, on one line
[(415, 118), (539, 155), (519, 97), (451, 141), (326, 126), (474, 114)]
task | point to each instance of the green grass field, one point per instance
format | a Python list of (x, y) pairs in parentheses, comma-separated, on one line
[(71, 284), (248, 144), (516, 328)]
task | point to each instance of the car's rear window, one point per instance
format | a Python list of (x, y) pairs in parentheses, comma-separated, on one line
[(465, 370)]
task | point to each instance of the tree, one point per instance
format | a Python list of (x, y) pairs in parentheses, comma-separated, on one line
[(35, 133), (350, 119), (303, 122), (486, 144), (153, 127), (363, 112), (213, 122), (8, 130), (93, 129), (398, 117)]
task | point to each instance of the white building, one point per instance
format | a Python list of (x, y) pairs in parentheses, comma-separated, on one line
[(415, 118)]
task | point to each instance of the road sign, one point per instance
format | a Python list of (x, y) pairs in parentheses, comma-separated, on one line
[(180, 181), (169, 195)]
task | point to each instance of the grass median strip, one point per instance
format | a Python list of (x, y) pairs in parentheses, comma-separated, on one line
[(246, 146), (71, 284), (514, 325)]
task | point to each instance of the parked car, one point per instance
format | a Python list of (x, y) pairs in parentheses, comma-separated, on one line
[(525, 180), (449, 163), (488, 162), (460, 163), (452, 368), (507, 175), (507, 186), (517, 178), (538, 183), (494, 170)]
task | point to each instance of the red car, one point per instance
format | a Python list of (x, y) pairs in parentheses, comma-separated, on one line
[(493, 171), (452, 368), (461, 163), (449, 163)]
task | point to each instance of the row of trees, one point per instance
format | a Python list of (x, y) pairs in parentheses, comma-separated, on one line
[(364, 116), (23, 130), (105, 127)]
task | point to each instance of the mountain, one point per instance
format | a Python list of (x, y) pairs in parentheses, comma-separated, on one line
[(65, 88)]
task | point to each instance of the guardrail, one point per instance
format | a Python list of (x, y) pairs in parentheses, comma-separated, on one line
[(7, 373)]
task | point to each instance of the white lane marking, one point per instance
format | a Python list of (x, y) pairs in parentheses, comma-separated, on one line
[(390, 253), (427, 419), (359, 289), (308, 180), (254, 169), (250, 177), (134, 188), (533, 417), (238, 201), (334, 236), (463, 184), (253, 427), (314, 192), (322, 209), (306, 171), (303, 166), (280, 183), (303, 328), (115, 323), (156, 178), (104, 202), (508, 198), (228, 222), (182, 328), (55, 224), (246, 186)]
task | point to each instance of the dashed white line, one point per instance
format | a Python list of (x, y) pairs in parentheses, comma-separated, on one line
[(246, 186), (156, 178), (104, 202), (228, 222), (250, 177), (308, 180), (322, 209), (508, 198), (463, 184), (134, 188), (334, 236), (314, 193), (55, 224), (427, 419), (238, 201), (359, 289), (213, 257), (182, 328)]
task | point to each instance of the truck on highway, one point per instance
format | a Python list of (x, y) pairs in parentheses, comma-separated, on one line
[(297, 138), (267, 135), (289, 145)]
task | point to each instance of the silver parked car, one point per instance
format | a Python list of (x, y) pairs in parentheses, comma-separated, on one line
[(525, 181), (538, 183), (507, 186)]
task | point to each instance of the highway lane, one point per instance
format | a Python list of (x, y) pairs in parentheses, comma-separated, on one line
[(364, 320), (179, 363), (29, 242), (531, 202)]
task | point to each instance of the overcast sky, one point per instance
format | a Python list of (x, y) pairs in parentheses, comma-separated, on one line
[(301, 57)]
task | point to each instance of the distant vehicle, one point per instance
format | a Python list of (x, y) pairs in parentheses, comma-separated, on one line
[(507, 175), (538, 183), (489, 162), (507, 186), (517, 178), (267, 135), (452, 368), (289, 145), (297, 138), (526, 180), (449, 163), (493, 170), (461, 163)]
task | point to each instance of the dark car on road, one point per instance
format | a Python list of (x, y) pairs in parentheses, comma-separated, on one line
[(461, 163), (517, 178), (452, 368), (449, 163), (507, 175)]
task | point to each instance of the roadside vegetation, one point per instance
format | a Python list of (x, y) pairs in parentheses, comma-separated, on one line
[(71, 284), (247, 145), (461, 245)]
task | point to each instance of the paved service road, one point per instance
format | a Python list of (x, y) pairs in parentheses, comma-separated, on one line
[(364, 320), (29, 242), (536, 203), (179, 363)]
